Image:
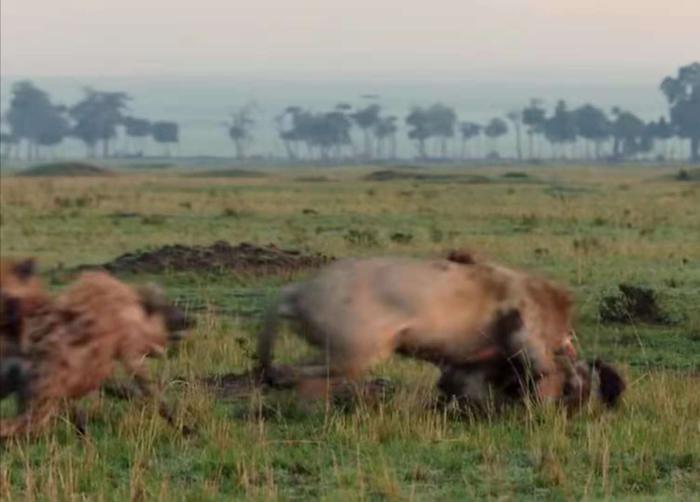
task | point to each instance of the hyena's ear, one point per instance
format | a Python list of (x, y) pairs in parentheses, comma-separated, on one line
[(25, 269), (612, 385), (152, 298), (154, 302)]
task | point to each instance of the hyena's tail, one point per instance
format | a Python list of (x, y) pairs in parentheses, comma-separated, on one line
[(31, 421), (611, 385)]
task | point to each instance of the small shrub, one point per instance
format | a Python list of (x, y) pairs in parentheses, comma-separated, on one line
[(153, 219), (362, 238), (436, 235), (682, 175), (235, 212), (516, 175), (401, 238)]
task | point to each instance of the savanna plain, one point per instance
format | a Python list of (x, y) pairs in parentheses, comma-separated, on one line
[(591, 228)]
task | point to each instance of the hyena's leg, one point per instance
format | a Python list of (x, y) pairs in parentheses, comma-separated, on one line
[(148, 390), (35, 418), (14, 379)]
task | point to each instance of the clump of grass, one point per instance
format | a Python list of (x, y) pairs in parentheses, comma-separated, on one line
[(153, 219), (362, 238), (401, 237)]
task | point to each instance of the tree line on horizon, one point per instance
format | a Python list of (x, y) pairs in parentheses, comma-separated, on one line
[(587, 131), (34, 120)]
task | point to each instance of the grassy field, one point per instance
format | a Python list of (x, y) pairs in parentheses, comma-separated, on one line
[(590, 228)]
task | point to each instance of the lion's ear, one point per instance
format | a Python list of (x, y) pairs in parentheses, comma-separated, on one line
[(25, 269)]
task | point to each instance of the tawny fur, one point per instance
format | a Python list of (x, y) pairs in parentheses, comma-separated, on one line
[(360, 312), (76, 343)]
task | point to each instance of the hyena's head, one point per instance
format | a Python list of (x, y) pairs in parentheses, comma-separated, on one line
[(19, 279), (167, 322), (21, 295)]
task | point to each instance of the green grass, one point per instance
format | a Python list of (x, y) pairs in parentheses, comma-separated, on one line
[(590, 228)]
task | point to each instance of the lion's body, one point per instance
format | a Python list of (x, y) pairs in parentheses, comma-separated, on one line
[(360, 312)]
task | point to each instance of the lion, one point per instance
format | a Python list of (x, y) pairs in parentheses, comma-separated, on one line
[(470, 318), (76, 343)]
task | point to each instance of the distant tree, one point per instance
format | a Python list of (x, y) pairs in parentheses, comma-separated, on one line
[(7, 144), (627, 132), (516, 117), (494, 130), (384, 131), (534, 117), (138, 129), (683, 95), (327, 133), (167, 133), (437, 121), (662, 131), (593, 125), (442, 122), (331, 133), (96, 118), (33, 118), (647, 140), (468, 130), (560, 129), (54, 128), (420, 129), (239, 129), (367, 119), (288, 130)]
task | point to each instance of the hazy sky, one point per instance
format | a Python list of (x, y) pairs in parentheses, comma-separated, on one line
[(625, 40)]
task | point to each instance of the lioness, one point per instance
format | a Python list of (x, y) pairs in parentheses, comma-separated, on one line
[(75, 342), (465, 316)]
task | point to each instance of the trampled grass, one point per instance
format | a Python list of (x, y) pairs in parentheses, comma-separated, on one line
[(591, 228)]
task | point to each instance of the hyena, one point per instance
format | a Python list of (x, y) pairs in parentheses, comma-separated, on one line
[(21, 296), (76, 343), (482, 323)]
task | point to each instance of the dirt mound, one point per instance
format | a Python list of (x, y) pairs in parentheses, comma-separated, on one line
[(65, 169), (392, 175), (633, 304), (219, 256)]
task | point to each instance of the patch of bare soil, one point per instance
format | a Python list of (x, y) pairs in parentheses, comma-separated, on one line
[(232, 385), (633, 304), (220, 256)]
